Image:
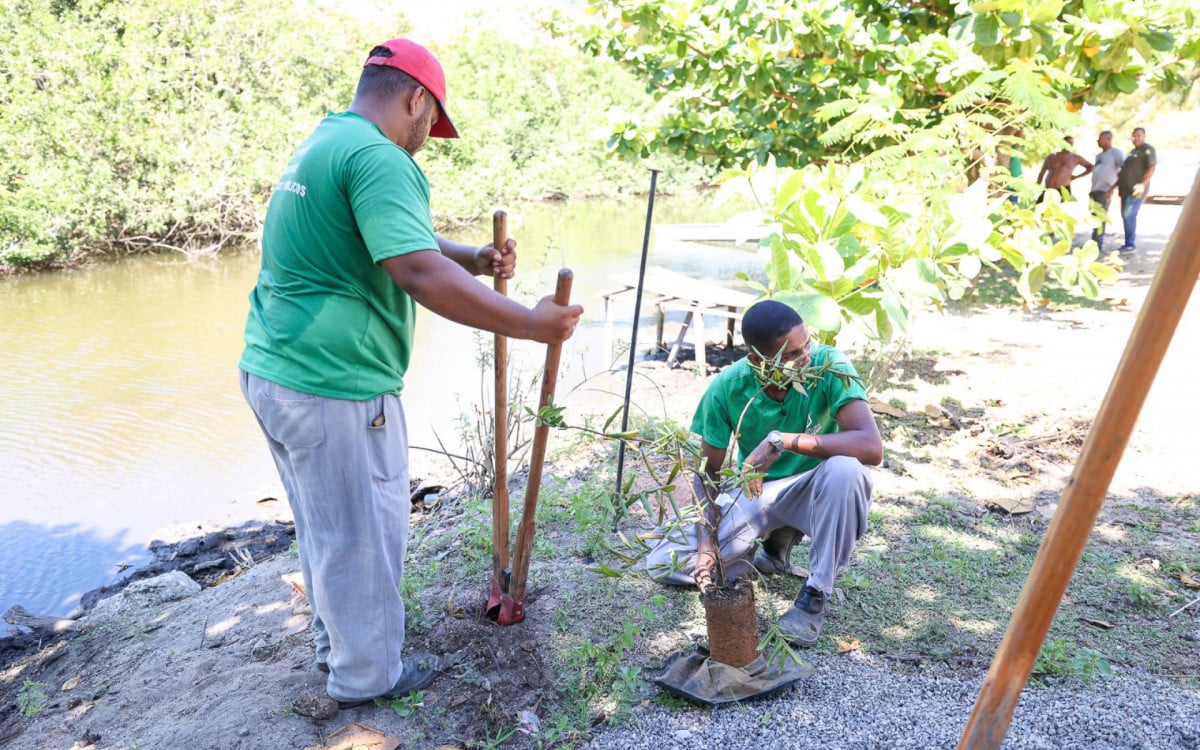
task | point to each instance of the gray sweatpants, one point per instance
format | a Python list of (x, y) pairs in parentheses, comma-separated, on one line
[(828, 504), (347, 483)]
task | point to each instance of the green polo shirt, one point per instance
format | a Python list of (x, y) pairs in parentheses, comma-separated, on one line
[(325, 318), (722, 410)]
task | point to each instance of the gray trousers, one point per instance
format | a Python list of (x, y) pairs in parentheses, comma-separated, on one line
[(828, 504), (347, 484)]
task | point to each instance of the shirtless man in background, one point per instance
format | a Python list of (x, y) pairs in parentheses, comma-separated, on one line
[(1058, 170)]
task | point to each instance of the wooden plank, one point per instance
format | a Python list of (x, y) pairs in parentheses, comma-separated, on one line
[(673, 291), (666, 283), (721, 311)]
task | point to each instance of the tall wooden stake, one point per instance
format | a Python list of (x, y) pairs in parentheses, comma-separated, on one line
[(1085, 492)]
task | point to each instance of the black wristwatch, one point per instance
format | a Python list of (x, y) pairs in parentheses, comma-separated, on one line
[(775, 438)]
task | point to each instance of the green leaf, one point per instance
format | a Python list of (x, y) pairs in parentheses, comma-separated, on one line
[(1045, 11), (605, 571), (1162, 41), (860, 305), (829, 263), (1089, 284), (896, 309), (987, 30), (820, 312), (835, 289), (1103, 271), (1126, 82), (884, 327), (612, 418), (787, 193), (780, 269)]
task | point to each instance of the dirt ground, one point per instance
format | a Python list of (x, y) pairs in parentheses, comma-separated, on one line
[(991, 406)]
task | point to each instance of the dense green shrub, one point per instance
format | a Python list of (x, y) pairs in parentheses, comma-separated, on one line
[(535, 118), (137, 125), (164, 124)]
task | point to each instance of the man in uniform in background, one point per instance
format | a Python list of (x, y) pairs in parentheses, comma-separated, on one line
[(1132, 184)]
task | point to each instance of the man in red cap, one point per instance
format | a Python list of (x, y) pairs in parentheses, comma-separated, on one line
[(348, 250)]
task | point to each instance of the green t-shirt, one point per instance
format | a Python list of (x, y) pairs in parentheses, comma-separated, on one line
[(723, 404), (325, 318)]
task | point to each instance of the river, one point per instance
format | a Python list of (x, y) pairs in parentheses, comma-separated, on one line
[(123, 415)]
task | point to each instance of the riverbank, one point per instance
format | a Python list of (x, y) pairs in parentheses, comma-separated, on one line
[(986, 411), (131, 419)]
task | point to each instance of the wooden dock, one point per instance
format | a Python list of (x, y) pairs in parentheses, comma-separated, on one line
[(749, 227), (669, 291)]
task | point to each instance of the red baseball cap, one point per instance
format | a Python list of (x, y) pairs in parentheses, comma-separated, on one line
[(419, 63)]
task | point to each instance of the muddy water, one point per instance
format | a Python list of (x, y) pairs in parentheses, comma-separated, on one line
[(122, 414)]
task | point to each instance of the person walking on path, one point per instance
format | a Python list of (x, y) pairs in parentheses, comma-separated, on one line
[(813, 444), (1058, 169), (1104, 179), (1132, 184), (348, 251)]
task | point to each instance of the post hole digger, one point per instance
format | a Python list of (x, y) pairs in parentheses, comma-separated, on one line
[(506, 604)]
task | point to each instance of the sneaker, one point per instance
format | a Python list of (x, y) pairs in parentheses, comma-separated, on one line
[(419, 671), (1126, 249), (802, 623)]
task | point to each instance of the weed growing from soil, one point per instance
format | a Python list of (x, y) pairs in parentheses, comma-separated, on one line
[(31, 699), (407, 706), (416, 579), (602, 668), (1060, 657)]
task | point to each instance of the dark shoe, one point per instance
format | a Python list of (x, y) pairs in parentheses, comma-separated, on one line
[(419, 671), (802, 623), (769, 565), (775, 554), (1126, 249)]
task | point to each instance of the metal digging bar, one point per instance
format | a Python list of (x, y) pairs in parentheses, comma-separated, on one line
[(500, 569), (1085, 492), (512, 607), (637, 314)]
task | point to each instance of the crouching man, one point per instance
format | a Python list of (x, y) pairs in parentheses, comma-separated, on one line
[(798, 413)]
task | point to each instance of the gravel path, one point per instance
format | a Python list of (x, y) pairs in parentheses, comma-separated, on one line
[(850, 703)]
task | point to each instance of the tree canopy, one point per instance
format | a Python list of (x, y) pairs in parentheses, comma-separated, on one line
[(877, 133), (149, 125), (741, 81)]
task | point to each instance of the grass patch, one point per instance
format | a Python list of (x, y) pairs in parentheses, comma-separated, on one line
[(602, 665), (943, 586)]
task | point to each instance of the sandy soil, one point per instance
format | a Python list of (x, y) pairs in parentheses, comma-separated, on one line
[(1003, 397)]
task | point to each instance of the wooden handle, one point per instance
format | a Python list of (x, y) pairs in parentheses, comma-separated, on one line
[(499, 240), (524, 543), (500, 437)]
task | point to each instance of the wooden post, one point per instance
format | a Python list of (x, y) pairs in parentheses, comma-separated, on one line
[(700, 336), (1085, 492), (500, 530), (673, 357)]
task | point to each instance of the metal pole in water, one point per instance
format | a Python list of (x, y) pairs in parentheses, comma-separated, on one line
[(637, 313)]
